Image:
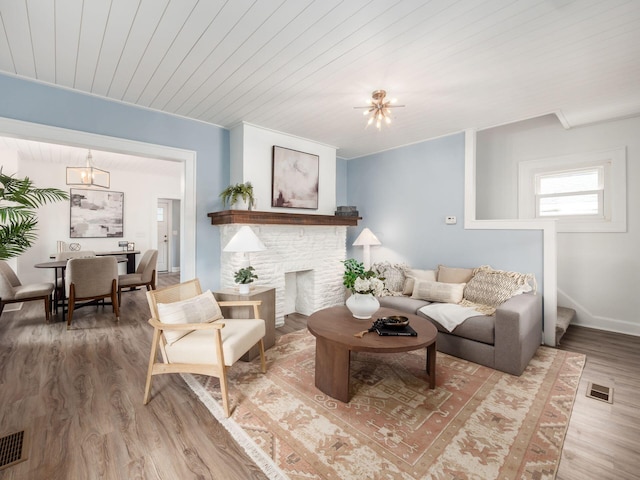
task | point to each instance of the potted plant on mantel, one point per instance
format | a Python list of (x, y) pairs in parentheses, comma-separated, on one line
[(244, 277), (240, 191)]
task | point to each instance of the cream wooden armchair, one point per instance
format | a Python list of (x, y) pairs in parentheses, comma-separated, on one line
[(193, 337)]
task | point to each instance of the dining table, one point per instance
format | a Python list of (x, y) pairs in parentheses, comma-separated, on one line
[(59, 267)]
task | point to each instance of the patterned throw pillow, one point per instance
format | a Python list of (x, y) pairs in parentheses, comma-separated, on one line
[(491, 288), (394, 276), (202, 308)]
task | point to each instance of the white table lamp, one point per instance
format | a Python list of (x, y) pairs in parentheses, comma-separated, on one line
[(366, 239), (244, 241)]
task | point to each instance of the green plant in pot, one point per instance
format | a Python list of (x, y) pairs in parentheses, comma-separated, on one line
[(364, 286), (19, 199), (244, 277), (240, 191)]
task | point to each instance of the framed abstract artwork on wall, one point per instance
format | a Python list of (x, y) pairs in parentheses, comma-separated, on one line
[(96, 213), (295, 179)]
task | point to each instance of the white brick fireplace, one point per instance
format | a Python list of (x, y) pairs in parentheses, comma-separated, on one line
[(305, 258)]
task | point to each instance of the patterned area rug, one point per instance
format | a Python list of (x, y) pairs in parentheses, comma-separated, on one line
[(477, 424)]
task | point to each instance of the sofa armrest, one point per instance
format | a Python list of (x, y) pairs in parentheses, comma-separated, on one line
[(518, 332)]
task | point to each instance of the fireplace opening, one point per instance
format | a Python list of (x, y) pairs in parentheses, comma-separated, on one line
[(298, 292)]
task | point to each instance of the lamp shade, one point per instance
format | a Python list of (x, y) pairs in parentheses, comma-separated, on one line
[(366, 237), (244, 241)]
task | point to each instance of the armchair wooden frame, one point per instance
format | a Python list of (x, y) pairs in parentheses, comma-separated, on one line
[(219, 370)]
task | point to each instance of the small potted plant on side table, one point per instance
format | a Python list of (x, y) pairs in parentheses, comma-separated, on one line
[(244, 277)]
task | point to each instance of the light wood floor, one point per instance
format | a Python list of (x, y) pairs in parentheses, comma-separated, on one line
[(79, 393)]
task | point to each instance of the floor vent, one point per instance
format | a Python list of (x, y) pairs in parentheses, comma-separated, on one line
[(12, 448), (600, 392)]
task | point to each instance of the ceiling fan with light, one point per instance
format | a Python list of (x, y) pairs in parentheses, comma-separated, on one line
[(378, 108)]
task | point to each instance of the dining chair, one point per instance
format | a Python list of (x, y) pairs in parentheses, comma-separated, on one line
[(66, 256), (192, 335), (13, 291), (145, 274), (91, 279)]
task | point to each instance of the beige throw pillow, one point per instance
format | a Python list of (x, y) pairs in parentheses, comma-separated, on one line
[(413, 274), (454, 275), (199, 309), (438, 291)]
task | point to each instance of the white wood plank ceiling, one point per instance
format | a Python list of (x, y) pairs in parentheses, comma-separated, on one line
[(300, 66)]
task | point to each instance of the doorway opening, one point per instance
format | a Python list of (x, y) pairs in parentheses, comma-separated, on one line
[(168, 226)]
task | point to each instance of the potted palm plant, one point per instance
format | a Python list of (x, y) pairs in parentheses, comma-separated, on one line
[(19, 199), (240, 191)]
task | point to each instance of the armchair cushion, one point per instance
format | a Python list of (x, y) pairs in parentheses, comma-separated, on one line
[(199, 347), (202, 308)]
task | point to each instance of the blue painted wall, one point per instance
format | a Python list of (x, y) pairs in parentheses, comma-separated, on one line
[(341, 181), (38, 103), (404, 196)]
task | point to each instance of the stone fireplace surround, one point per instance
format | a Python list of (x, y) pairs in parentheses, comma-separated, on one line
[(313, 248)]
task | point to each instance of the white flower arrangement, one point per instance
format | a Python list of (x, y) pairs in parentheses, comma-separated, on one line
[(369, 285), (359, 280)]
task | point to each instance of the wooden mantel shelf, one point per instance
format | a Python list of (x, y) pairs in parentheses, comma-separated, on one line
[(274, 218)]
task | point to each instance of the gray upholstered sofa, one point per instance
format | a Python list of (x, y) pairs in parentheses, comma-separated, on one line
[(506, 340)]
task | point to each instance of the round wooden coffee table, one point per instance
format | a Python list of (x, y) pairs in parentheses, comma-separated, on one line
[(334, 329)]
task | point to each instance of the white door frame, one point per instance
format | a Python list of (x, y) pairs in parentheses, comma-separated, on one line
[(76, 138)]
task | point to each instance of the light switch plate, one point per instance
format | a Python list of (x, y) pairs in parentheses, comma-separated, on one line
[(450, 220)]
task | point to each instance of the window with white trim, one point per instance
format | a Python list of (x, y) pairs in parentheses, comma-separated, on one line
[(584, 192), (574, 193)]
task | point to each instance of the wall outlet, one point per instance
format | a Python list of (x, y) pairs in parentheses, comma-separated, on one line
[(450, 220)]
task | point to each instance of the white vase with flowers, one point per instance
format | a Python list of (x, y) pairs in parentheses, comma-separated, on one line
[(364, 285)]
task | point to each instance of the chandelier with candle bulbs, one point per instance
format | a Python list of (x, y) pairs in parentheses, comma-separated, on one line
[(379, 107), (89, 175)]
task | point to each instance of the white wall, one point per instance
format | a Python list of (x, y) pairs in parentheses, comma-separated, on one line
[(141, 191), (251, 160), (597, 272)]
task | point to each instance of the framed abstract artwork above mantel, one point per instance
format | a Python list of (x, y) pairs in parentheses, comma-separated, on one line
[(295, 179), (96, 213)]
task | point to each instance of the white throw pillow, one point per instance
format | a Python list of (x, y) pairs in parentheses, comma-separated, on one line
[(438, 291), (202, 308), (413, 274)]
